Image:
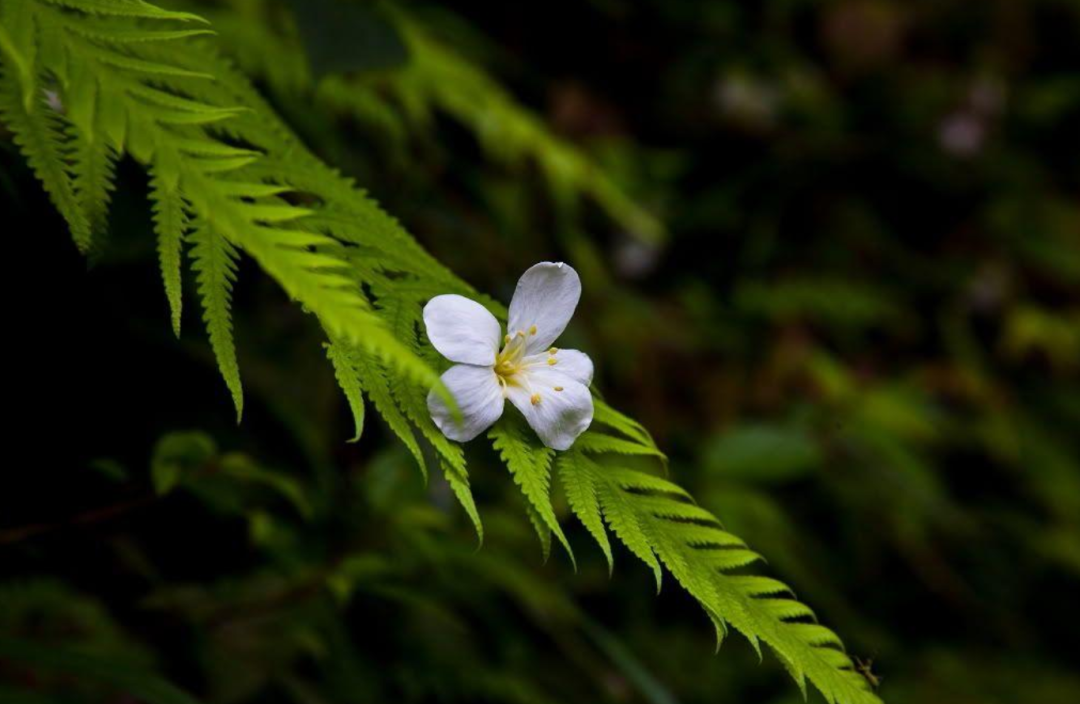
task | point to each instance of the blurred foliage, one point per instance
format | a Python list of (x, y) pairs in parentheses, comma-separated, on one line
[(856, 336)]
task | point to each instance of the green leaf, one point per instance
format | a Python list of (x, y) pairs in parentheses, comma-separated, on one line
[(657, 521), (40, 136), (597, 443), (240, 467), (459, 484), (530, 464), (214, 262), (578, 482), (375, 384), (349, 381), (604, 414), (93, 176), (125, 8), (177, 455), (170, 224)]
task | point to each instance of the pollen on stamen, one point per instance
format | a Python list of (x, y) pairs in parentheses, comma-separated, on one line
[(558, 388), (535, 399), (553, 350), (532, 330), (507, 339), (552, 361)]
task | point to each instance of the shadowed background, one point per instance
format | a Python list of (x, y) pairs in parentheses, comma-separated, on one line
[(831, 259)]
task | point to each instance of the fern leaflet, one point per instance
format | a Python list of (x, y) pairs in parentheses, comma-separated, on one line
[(214, 261), (349, 381), (531, 467), (170, 224)]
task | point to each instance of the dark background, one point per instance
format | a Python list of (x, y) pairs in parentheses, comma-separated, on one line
[(857, 336)]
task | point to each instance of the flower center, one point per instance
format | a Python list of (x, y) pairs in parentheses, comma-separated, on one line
[(510, 361)]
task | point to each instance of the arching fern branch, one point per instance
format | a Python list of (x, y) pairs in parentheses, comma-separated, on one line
[(659, 523), (85, 82), (122, 89)]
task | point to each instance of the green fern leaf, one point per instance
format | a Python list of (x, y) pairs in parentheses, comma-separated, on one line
[(603, 414), (530, 466), (170, 224), (156, 96), (374, 383), (18, 41), (214, 262), (40, 136), (412, 400), (125, 8), (459, 484), (93, 175), (626, 523), (541, 528), (579, 484), (109, 33), (597, 443), (349, 381), (656, 520), (130, 63)]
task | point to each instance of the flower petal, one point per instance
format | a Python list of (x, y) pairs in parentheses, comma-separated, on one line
[(571, 363), (557, 407), (478, 395), (545, 297), (462, 330)]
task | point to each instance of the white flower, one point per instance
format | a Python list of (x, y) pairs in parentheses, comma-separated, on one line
[(548, 385)]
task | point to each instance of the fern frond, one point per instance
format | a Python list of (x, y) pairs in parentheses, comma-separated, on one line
[(459, 484), (151, 69), (107, 32), (584, 499), (655, 520), (124, 8), (222, 167), (412, 400), (170, 224), (156, 96), (40, 135), (349, 381), (619, 512), (19, 44), (531, 468), (508, 132), (603, 414), (373, 381), (307, 264), (93, 173), (543, 532), (596, 442), (214, 261)]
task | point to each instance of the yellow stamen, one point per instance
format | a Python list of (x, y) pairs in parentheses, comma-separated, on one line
[(507, 339), (552, 361), (558, 388), (535, 399), (553, 350), (532, 330), (521, 333)]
